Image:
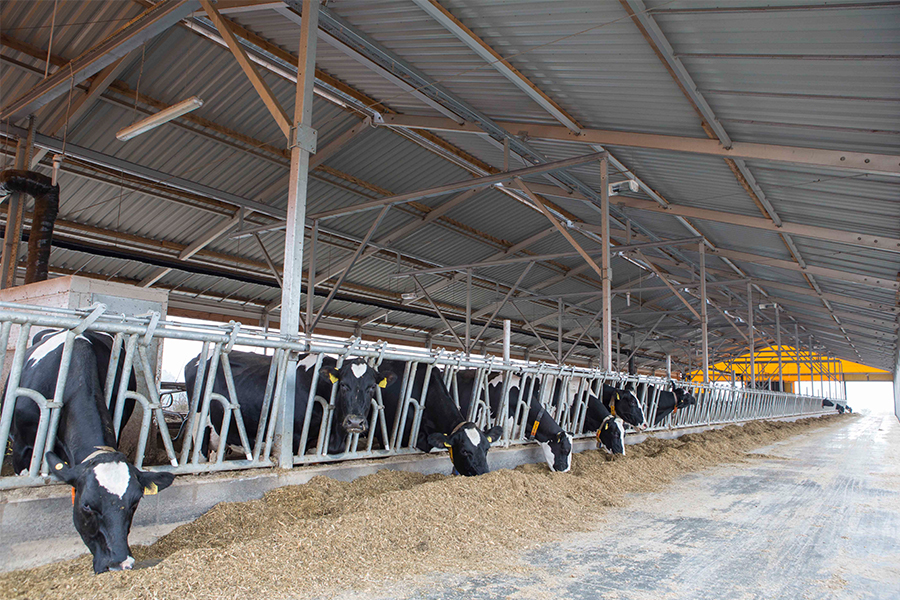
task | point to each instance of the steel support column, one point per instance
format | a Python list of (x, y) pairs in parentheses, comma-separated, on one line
[(704, 318), (296, 221), (778, 343), (605, 277), (752, 335)]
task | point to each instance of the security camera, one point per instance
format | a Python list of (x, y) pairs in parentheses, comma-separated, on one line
[(623, 186)]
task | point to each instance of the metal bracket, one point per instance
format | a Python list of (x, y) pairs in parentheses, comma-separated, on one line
[(96, 310), (304, 137)]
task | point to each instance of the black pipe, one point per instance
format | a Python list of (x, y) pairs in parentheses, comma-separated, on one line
[(46, 207)]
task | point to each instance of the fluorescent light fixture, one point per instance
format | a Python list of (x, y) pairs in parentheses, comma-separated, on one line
[(163, 116)]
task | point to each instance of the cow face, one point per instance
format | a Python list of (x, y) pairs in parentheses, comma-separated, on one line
[(626, 406), (611, 436), (684, 398), (356, 382), (106, 492), (558, 452), (468, 447)]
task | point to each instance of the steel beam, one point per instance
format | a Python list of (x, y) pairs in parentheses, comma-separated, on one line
[(809, 231), (259, 84), (606, 276), (544, 257), (482, 49), (704, 318), (458, 186), (820, 271), (865, 162), (152, 22), (152, 175)]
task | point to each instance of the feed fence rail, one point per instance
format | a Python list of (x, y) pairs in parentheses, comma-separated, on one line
[(564, 390)]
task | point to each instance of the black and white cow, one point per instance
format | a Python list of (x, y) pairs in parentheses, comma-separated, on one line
[(106, 489), (443, 425), (827, 402), (356, 382), (669, 401), (622, 403), (610, 429), (555, 442), (842, 408)]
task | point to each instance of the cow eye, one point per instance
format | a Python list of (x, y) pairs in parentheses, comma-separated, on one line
[(87, 508)]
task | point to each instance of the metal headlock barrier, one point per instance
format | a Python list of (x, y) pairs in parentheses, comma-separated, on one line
[(133, 336)]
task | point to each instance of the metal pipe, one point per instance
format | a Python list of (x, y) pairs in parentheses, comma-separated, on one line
[(606, 276), (704, 318)]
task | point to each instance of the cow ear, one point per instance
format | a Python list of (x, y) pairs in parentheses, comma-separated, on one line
[(153, 482), (386, 378), (439, 440), (61, 470), (329, 374), (493, 434)]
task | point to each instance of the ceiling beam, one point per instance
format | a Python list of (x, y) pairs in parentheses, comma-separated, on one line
[(482, 49), (767, 261), (882, 164), (809, 231), (149, 24)]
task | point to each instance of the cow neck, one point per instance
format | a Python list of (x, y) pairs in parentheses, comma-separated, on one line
[(541, 426)]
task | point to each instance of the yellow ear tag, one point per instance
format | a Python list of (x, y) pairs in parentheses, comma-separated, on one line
[(446, 445), (151, 490), (383, 383), (489, 439), (333, 378), (59, 467)]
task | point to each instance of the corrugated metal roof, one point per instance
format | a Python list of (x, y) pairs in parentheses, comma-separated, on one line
[(591, 59)]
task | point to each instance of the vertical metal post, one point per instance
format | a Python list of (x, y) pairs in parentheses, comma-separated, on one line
[(812, 371), (604, 265), (704, 319), (311, 279), (778, 343), (668, 366), (752, 338), (797, 354), (559, 328), (507, 328), (618, 346), (296, 220), (468, 310)]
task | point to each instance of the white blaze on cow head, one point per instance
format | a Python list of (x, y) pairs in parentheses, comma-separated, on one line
[(468, 447), (356, 382), (106, 493)]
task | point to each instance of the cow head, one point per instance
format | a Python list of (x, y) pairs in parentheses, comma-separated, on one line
[(683, 398), (625, 405), (468, 447), (611, 436), (827, 403), (558, 452), (356, 382), (106, 491)]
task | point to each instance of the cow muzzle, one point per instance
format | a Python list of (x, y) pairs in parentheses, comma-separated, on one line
[(355, 424)]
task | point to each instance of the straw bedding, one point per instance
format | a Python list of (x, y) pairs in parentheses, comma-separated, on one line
[(325, 536)]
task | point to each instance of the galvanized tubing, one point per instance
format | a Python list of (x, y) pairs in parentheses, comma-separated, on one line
[(131, 339)]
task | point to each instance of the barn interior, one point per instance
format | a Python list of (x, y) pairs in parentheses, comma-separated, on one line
[(683, 189)]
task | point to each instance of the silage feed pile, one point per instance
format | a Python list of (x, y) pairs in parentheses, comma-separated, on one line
[(325, 536)]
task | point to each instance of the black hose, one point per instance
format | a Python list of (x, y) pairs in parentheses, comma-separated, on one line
[(46, 208)]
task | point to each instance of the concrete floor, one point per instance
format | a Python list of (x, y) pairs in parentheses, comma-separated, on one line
[(817, 517)]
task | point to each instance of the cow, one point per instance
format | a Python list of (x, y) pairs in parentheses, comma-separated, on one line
[(826, 403), (555, 442), (622, 403), (106, 489), (669, 401), (610, 429), (442, 425), (842, 408), (355, 379)]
